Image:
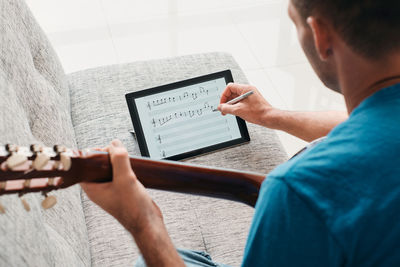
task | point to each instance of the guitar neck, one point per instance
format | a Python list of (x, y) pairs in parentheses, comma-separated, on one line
[(185, 178), (192, 179)]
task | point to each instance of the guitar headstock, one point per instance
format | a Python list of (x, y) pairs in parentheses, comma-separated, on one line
[(43, 169)]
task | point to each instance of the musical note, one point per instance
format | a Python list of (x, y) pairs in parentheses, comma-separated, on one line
[(203, 90), (164, 120)]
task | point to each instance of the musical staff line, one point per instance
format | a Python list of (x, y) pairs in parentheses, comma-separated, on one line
[(188, 136), (194, 127), (190, 113), (194, 145), (184, 123)]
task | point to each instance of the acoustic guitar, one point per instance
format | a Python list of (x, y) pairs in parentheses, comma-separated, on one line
[(43, 169)]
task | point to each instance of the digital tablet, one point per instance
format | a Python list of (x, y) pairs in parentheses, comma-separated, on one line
[(179, 120)]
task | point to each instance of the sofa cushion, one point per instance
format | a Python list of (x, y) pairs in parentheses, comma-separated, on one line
[(34, 100), (100, 114)]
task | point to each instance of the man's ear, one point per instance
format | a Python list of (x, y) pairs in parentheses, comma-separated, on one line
[(322, 37)]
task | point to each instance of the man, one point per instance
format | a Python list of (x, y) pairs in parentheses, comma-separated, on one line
[(337, 203)]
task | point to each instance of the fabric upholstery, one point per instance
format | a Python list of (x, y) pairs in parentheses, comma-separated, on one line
[(39, 104), (34, 100), (100, 114)]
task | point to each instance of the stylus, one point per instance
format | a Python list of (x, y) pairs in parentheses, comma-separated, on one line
[(238, 99)]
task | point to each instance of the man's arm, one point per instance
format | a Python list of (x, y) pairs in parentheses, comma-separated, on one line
[(305, 125), (127, 200)]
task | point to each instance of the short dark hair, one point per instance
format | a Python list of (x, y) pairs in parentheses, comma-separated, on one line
[(370, 27)]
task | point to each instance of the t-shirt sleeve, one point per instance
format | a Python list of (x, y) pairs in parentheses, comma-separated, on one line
[(286, 232)]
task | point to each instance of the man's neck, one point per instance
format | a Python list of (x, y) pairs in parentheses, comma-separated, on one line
[(361, 78)]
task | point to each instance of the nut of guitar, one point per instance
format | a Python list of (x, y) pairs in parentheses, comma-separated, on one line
[(40, 161), (16, 160)]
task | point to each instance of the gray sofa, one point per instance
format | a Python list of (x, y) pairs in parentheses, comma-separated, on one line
[(41, 104)]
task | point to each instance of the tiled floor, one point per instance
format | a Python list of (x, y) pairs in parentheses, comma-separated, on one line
[(258, 33)]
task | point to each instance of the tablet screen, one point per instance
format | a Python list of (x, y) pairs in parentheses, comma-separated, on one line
[(180, 120)]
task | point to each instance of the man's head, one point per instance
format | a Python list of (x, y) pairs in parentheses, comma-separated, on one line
[(368, 28)]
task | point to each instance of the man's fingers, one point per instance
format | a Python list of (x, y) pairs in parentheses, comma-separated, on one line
[(233, 90), (117, 143), (227, 109), (120, 160), (102, 149), (226, 94), (92, 188)]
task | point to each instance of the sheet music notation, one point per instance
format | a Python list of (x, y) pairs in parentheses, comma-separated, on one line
[(183, 120)]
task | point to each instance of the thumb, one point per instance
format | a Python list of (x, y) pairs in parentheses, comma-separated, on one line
[(227, 109), (121, 166)]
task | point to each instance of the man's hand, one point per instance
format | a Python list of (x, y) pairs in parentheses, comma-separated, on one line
[(127, 200), (254, 109)]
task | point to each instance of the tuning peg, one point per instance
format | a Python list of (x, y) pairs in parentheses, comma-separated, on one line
[(2, 209), (49, 201), (25, 204), (2, 187), (59, 149), (11, 148), (40, 161), (65, 161), (16, 160), (27, 184), (35, 148)]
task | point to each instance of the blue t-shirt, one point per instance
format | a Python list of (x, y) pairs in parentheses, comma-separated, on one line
[(338, 203)]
